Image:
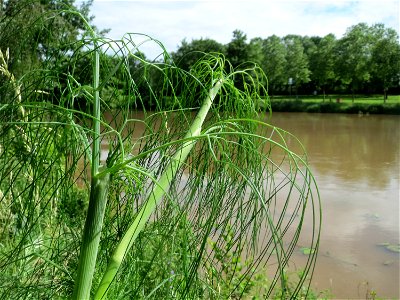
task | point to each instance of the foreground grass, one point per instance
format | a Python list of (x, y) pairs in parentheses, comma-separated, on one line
[(171, 209)]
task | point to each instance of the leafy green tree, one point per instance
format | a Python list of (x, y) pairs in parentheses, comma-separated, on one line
[(296, 61), (40, 35), (256, 54), (310, 44), (256, 51), (322, 63), (385, 57), (35, 31), (353, 57), (189, 53), (274, 63), (237, 50)]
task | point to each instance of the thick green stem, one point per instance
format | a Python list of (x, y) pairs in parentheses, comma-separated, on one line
[(97, 202), (156, 195), (91, 236)]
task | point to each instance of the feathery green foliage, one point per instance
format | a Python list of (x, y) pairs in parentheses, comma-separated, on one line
[(165, 186)]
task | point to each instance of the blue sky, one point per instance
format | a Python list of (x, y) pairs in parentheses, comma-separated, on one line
[(172, 21)]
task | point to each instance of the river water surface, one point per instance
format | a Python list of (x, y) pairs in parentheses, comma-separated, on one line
[(356, 162)]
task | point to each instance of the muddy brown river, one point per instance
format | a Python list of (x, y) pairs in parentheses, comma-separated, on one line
[(356, 162)]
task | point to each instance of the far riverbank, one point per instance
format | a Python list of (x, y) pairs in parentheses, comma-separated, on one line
[(334, 106)]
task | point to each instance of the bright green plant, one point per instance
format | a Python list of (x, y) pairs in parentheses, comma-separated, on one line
[(202, 164), (236, 280), (233, 281)]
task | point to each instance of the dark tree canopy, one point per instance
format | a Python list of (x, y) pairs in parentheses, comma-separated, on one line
[(35, 31), (189, 53)]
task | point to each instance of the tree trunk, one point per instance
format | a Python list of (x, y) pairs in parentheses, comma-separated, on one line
[(385, 96)]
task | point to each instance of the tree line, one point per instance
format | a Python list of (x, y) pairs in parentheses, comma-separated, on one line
[(365, 60)]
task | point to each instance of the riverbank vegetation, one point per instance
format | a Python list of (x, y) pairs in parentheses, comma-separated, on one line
[(338, 105), (193, 199)]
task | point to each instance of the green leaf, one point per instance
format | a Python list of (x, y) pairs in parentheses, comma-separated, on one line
[(307, 251)]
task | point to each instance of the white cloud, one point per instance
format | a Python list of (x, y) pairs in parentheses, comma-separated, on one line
[(172, 21)]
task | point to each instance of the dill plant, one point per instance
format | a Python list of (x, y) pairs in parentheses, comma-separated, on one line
[(187, 161)]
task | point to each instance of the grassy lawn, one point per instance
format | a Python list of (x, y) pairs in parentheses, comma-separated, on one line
[(375, 99)]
